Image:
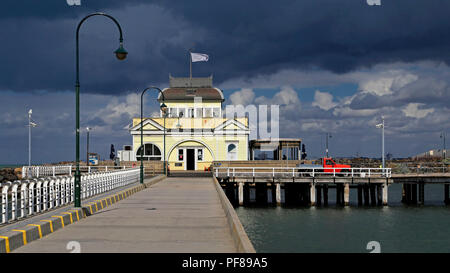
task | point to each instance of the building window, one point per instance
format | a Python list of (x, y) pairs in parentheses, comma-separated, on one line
[(216, 112), (151, 152), (181, 112), (190, 112), (173, 112), (232, 151), (208, 113), (199, 112), (199, 154), (180, 154)]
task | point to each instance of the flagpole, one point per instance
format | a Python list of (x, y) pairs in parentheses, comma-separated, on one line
[(190, 67)]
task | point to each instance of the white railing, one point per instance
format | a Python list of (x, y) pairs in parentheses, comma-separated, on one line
[(44, 171), (286, 172), (23, 198)]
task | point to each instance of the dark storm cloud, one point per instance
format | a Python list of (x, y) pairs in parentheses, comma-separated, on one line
[(243, 38)]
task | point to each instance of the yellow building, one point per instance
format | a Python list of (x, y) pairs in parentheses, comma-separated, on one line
[(196, 131)]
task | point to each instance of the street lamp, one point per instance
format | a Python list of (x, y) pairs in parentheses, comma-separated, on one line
[(121, 54), (31, 123), (87, 145), (327, 136), (163, 108), (381, 125), (444, 152)]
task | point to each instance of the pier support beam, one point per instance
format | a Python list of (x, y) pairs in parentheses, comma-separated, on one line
[(312, 194), (246, 193), (421, 193), (346, 194), (318, 195), (414, 193), (241, 193), (446, 194), (278, 194), (325, 195), (366, 195), (360, 196), (385, 194), (379, 194), (403, 193), (373, 195)]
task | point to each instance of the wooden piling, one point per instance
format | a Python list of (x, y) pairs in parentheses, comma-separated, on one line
[(278, 194), (366, 195), (325, 195), (360, 196), (385, 194), (446, 194), (414, 193), (318, 195), (246, 194), (372, 195), (379, 195), (241, 193), (421, 193), (312, 194), (346, 193)]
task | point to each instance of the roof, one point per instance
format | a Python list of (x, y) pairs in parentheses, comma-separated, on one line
[(188, 88), (183, 93)]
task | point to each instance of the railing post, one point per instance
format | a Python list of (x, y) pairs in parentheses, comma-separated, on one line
[(54, 171)]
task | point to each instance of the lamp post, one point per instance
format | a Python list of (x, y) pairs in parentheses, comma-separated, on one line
[(327, 136), (121, 54), (444, 151), (163, 108), (381, 125), (30, 124), (87, 145)]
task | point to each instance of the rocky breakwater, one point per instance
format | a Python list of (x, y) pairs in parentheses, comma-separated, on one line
[(10, 174)]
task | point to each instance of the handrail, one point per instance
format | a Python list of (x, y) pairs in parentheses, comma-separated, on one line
[(23, 198), (44, 171), (301, 171)]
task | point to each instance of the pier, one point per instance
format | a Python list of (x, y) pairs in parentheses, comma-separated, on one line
[(310, 187)]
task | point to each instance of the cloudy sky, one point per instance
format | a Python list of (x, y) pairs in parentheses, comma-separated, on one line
[(332, 66)]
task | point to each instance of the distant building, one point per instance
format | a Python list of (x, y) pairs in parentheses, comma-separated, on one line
[(196, 131), (437, 153)]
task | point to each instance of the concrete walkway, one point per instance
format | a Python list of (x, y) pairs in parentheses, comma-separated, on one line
[(175, 215)]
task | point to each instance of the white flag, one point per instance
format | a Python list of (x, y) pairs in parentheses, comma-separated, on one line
[(199, 57)]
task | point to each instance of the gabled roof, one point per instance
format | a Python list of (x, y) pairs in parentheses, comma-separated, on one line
[(231, 122), (147, 121)]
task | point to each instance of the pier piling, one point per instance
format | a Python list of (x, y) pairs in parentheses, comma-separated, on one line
[(421, 193), (414, 193), (379, 195), (360, 196), (312, 194), (278, 194), (446, 194), (318, 195), (346, 194), (373, 195), (366, 195), (325, 195), (385, 194), (241, 193)]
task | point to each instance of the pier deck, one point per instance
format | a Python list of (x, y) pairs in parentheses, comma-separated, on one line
[(174, 215)]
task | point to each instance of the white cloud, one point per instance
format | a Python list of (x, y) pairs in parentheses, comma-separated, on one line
[(412, 110), (286, 97), (323, 100), (243, 97), (385, 83)]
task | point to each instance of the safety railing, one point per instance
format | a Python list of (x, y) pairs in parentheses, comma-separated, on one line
[(23, 198), (286, 172), (43, 171)]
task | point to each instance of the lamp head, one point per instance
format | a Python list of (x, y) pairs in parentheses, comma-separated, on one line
[(121, 53), (163, 108)]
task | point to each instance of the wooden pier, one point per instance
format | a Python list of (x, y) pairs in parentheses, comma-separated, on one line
[(312, 189)]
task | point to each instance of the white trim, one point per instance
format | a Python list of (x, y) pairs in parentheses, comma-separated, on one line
[(139, 145), (194, 140), (229, 122), (137, 127)]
